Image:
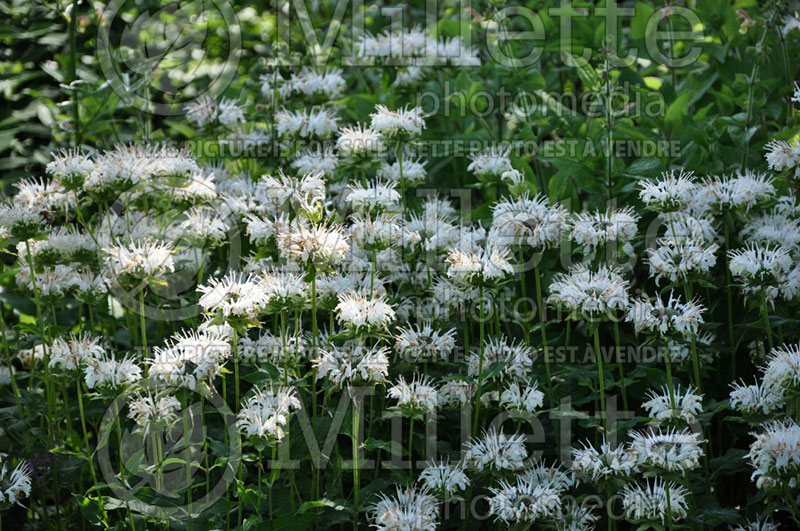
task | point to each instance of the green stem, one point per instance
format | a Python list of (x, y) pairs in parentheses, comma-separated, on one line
[(89, 458), (543, 329), (693, 336), (237, 405), (314, 345), (411, 445), (601, 377), (621, 364), (356, 480), (73, 65), (765, 311), (480, 363)]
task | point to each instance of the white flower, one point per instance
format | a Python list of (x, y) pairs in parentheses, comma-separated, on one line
[(577, 517), (108, 372), (230, 113), (745, 190), (670, 450), (516, 358), (782, 155), (202, 111), (528, 221), (318, 245), (75, 351), (357, 311), (402, 123), (21, 220), (203, 224), (328, 84), (408, 510), (151, 413), (413, 171), (266, 413), (444, 479), (190, 357), (359, 141), (591, 229), (496, 450), (525, 500), (782, 369), (491, 163), (379, 194), (671, 192), (648, 501), (416, 396), (757, 525), (526, 397), (268, 347), (481, 263), (755, 399), (775, 455), (141, 259), (70, 168), (674, 317), (772, 270), (772, 230), (589, 292), (677, 259), (6, 374), (318, 123), (17, 485), (316, 160), (235, 295), (681, 225), (348, 363), (687, 405), (593, 464), (424, 343), (455, 393)]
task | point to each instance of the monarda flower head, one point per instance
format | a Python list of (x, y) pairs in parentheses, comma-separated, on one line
[(775, 455), (679, 259), (496, 450), (485, 264), (671, 318), (424, 343), (688, 405), (153, 413), (594, 464), (444, 479), (359, 312), (359, 142), (411, 509), (669, 450), (584, 292), (265, 414), (593, 229), (235, 296), (765, 271), (530, 221), (352, 363), (317, 245), (670, 192), (649, 501), (491, 163), (414, 398), (70, 168), (14, 486), (400, 125)]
